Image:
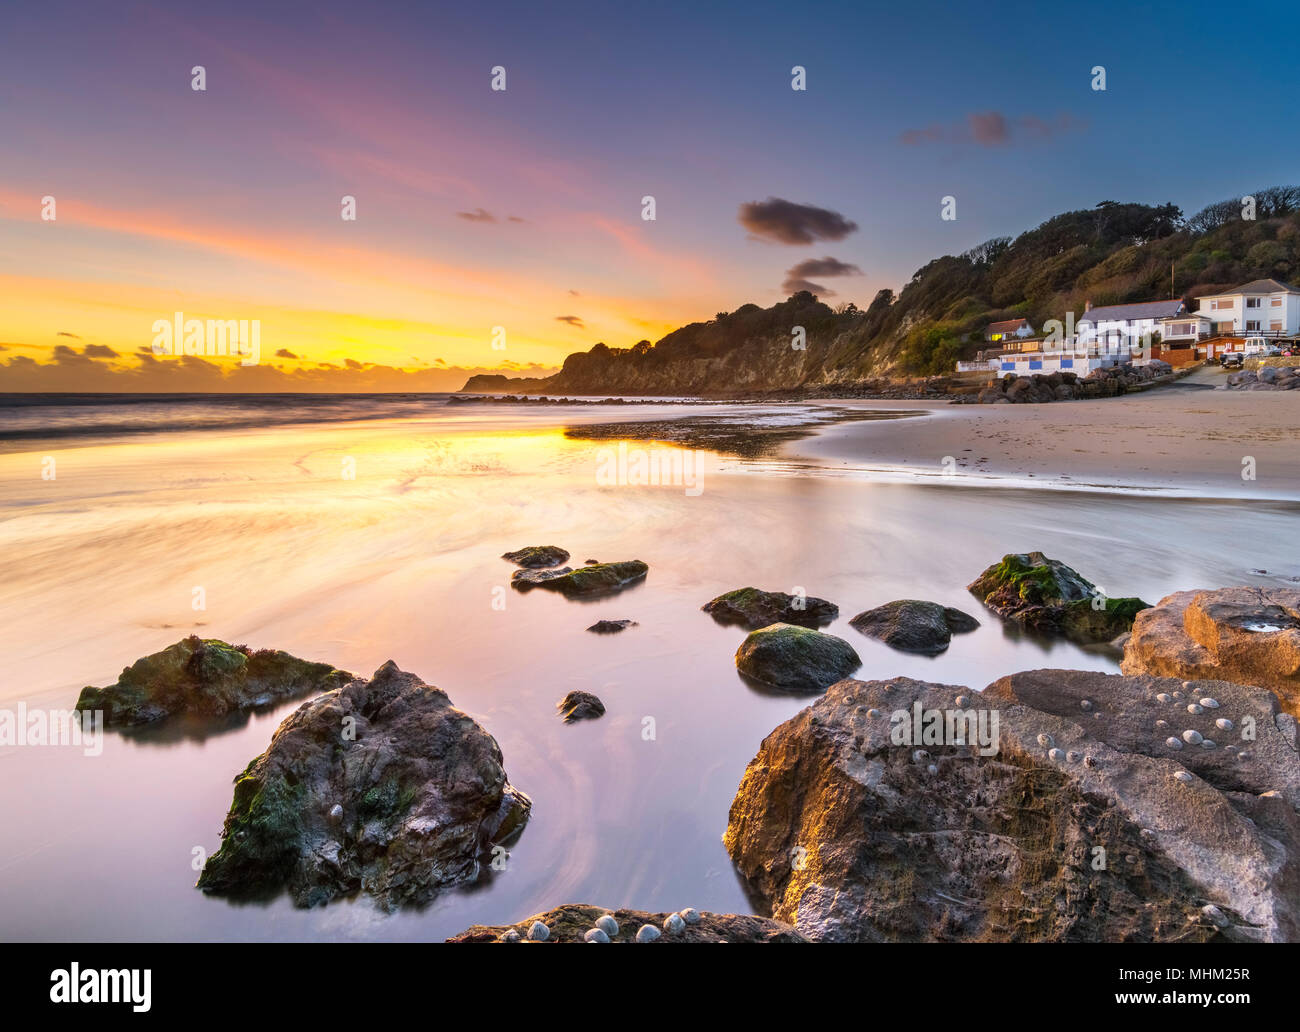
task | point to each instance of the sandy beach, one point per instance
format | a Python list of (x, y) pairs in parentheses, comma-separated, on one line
[(1186, 439)]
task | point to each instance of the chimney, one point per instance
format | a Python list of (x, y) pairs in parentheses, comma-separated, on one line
[(1087, 306)]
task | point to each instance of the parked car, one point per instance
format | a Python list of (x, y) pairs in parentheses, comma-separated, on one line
[(1255, 346)]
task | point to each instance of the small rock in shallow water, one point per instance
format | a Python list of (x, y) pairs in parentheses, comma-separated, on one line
[(595, 935), (607, 924), (611, 626), (1192, 737), (674, 924), (580, 706), (647, 933), (536, 556), (538, 932)]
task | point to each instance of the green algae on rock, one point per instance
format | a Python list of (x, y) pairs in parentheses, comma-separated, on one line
[(586, 581), (795, 659), (381, 785), (537, 556), (1046, 596), (208, 678), (753, 608)]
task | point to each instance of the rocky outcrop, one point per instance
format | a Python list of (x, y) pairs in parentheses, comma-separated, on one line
[(752, 608), (911, 625), (1265, 378), (585, 582), (573, 922), (537, 556), (1246, 634), (1076, 821), (381, 785), (580, 706), (1046, 596), (795, 659), (205, 677)]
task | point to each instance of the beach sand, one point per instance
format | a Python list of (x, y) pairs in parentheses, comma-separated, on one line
[(1185, 438)]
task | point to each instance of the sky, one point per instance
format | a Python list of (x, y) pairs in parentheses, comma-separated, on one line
[(500, 230)]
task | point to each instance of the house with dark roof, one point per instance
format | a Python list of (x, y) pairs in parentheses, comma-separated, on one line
[(1264, 307), (1008, 329), (1115, 325)]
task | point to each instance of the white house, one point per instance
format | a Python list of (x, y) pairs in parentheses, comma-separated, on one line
[(1112, 326), (1262, 307)]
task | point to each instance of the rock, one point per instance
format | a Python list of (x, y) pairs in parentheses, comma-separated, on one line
[(537, 556), (1046, 596), (1000, 847), (571, 922), (206, 678), (910, 625), (584, 582), (422, 786), (611, 626), (795, 659), (752, 608), (647, 933), (1248, 635), (580, 706)]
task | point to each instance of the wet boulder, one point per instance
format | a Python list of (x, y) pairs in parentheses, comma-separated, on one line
[(795, 659), (580, 706), (585, 582), (380, 786), (911, 625), (537, 556), (204, 677), (753, 608)]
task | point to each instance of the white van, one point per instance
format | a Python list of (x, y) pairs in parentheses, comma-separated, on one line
[(1255, 346)]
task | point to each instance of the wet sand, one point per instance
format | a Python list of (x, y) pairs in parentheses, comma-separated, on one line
[(1186, 439)]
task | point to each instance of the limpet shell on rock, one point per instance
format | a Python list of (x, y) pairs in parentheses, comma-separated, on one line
[(1192, 737)]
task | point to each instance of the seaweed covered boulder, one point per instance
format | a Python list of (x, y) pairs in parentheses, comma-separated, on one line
[(585, 582), (381, 786), (1046, 596), (753, 608), (537, 556), (205, 677), (1051, 807), (911, 625), (795, 659), (1244, 634), (574, 922)]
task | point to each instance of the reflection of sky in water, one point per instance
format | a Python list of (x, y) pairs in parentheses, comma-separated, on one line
[(98, 566)]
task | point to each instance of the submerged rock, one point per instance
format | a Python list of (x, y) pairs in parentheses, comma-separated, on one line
[(586, 581), (911, 625), (421, 785), (208, 678), (611, 626), (536, 556), (841, 834), (580, 706), (1247, 635), (572, 921), (1046, 596), (795, 659), (752, 608)]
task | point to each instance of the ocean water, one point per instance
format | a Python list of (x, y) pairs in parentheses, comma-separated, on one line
[(358, 530)]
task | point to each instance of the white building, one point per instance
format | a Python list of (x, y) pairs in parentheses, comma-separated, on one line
[(1134, 325), (1259, 308)]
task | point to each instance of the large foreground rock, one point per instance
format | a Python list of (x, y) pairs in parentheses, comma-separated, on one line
[(569, 923), (911, 625), (586, 581), (753, 608), (1046, 596), (382, 786), (795, 659), (207, 678), (1250, 635), (1084, 825)]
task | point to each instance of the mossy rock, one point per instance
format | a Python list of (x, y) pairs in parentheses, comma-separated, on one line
[(795, 659), (586, 581), (537, 556), (754, 608), (206, 677)]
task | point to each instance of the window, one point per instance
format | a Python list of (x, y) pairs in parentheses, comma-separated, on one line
[(1252, 324), (1275, 302), (1219, 304), (1253, 302), (1276, 326)]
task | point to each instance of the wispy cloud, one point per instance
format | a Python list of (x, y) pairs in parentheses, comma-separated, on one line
[(572, 320), (797, 277), (993, 129)]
